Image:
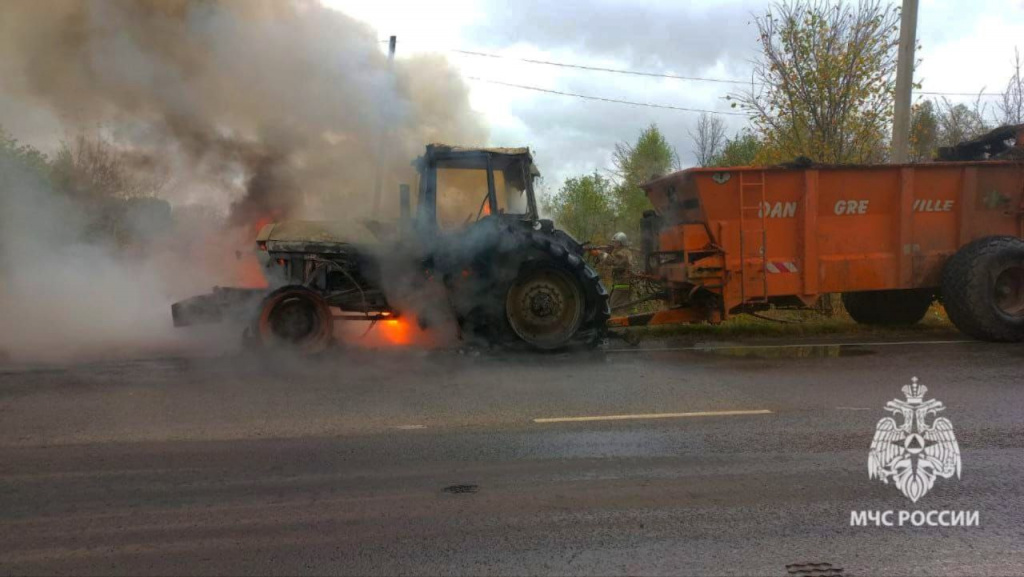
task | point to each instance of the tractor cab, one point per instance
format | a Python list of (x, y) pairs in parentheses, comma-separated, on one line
[(460, 186)]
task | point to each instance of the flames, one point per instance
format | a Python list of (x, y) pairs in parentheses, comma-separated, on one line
[(398, 331), (249, 270)]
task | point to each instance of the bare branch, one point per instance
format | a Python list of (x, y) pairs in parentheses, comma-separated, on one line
[(1011, 105), (708, 138)]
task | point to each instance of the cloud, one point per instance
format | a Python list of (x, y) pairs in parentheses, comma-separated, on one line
[(676, 36), (573, 136)]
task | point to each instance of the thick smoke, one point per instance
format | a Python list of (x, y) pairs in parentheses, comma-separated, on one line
[(254, 109)]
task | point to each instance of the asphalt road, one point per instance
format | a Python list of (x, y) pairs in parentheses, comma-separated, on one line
[(404, 462)]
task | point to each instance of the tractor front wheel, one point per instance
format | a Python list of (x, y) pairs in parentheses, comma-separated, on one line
[(295, 318)]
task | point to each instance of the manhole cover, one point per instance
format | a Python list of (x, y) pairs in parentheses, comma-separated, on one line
[(814, 570), (460, 489)]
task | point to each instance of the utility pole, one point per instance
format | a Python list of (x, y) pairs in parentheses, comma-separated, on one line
[(904, 82), (381, 137)]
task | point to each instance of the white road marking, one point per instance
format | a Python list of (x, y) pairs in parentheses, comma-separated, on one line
[(854, 409), (786, 346), (410, 427), (651, 416)]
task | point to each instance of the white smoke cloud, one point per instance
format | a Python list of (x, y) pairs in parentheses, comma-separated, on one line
[(260, 108)]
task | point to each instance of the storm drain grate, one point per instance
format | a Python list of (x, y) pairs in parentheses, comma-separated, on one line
[(814, 570), (461, 489)]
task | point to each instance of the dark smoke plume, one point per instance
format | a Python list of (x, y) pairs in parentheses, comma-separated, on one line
[(254, 108), (219, 91)]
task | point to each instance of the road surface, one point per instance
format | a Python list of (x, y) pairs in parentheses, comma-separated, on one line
[(725, 459)]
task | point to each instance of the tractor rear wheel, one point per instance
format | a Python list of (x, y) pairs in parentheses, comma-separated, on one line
[(888, 307), (295, 318), (983, 289), (545, 305), (536, 290)]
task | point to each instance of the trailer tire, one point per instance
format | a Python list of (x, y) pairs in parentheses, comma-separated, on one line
[(295, 318), (888, 307), (983, 289)]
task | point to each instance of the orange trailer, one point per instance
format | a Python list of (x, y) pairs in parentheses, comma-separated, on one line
[(891, 238)]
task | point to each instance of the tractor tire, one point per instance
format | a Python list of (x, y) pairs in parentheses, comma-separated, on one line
[(294, 318), (550, 297), (888, 307), (983, 289)]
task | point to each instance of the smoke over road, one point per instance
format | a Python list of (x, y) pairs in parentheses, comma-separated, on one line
[(252, 108)]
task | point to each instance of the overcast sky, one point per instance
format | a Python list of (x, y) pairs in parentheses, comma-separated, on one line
[(967, 46)]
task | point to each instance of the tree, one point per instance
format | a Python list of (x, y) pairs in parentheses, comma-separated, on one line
[(23, 156), (1011, 105), (741, 150), (583, 207), (92, 168), (708, 138), (823, 84), (959, 122), (650, 157), (924, 131)]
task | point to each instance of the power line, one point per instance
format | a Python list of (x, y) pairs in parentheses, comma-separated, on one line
[(598, 68), (664, 75), (601, 98), (957, 93), (669, 76)]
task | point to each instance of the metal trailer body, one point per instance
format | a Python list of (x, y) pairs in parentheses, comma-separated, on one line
[(729, 240)]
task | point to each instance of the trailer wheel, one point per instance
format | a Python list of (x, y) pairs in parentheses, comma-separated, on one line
[(888, 307), (983, 289), (295, 318)]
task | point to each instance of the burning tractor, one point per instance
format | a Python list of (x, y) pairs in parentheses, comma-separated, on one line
[(502, 273)]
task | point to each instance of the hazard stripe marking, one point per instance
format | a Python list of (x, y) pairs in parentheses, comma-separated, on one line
[(782, 266)]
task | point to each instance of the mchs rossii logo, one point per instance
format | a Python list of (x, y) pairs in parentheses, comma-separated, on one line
[(913, 453), (911, 449)]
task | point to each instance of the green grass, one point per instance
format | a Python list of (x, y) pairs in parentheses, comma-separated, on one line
[(801, 323)]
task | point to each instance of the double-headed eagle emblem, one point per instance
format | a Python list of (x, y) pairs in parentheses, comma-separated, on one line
[(914, 452)]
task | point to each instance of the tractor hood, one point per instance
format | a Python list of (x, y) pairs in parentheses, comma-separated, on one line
[(312, 236)]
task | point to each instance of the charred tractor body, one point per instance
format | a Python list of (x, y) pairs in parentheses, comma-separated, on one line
[(474, 251), (890, 238)]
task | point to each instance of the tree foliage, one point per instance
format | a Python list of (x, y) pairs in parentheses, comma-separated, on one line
[(91, 167), (941, 122), (708, 138), (649, 157), (823, 84), (924, 131), (109, 190), (594, 207), (583, 207), (959, 122), (740, 150), (23, 156)]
